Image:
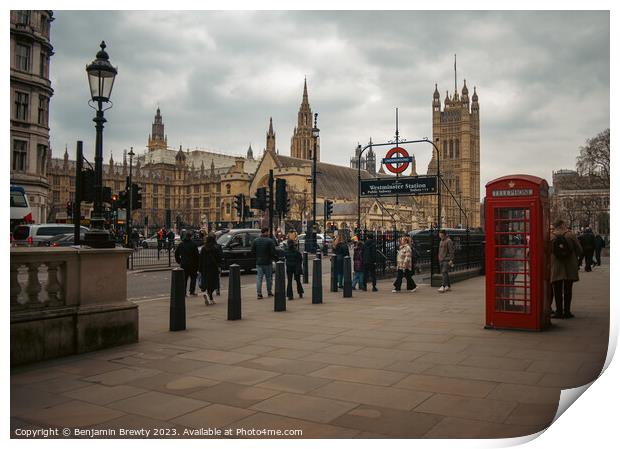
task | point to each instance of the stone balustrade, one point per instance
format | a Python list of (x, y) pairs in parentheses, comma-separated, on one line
[(67, 301)]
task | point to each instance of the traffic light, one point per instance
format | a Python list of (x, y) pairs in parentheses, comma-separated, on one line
[(88, 185), (123, 200), (69, 209), (328, 207), (261, 198), (136, 197), (239, 206), (281, 197)]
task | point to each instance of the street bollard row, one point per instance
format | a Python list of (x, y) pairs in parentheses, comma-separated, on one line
[(177, 288)]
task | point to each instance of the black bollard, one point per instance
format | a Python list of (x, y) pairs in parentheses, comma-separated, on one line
[(347, 291), (317, 284), (234, 292), (279, 298), (177, 300), (318, 253), (333, 278), (305, 267)]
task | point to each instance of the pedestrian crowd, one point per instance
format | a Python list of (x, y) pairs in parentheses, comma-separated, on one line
[(568, 252)]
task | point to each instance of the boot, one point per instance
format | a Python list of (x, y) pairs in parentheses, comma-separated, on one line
[(567, 313)]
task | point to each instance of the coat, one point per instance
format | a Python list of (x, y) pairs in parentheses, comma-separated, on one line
[(370, 251), (293, 260), (358, 257), (446, 250), (404, 259), (566, 269), (187, 256), (341, 251), (209, 266), (264, 249)]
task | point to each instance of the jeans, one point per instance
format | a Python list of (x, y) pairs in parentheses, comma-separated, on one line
[(263, 270), (289, 286), (340, 278), (445, 277), (407, 274), (358, 279)]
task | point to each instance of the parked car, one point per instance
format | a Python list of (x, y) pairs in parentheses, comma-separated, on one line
[(151, 242), (320, 239), (40, 234), (237, 248), (63, 240)]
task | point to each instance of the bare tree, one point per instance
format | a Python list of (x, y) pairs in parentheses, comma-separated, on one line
[(593, 157)]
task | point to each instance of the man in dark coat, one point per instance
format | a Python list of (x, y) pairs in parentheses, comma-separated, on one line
[(187, 257), (370, 261), (588, 244), (170, 238), (599, 244), (264, 250)]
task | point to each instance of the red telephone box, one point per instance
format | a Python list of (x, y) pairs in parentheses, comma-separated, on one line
[(518, 292)]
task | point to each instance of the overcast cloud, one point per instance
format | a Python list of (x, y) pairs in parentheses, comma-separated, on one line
[(542, 79)]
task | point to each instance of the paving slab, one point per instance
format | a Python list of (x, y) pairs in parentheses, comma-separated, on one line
[(451, 427), (71, 414), (280, 423), (213, 416), (388, 397), (388, 422), (157, 405), (360, 375), (454, 386), (304, 407), (102, 394), (464, 407), (233, 394), (294, 383)]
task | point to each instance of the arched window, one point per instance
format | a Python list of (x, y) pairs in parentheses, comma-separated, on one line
[(228, 208), (456, 149), (445, 149), (451, 148), (227, 189)]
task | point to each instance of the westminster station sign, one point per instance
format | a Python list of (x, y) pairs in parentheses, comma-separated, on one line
[(409, 185)]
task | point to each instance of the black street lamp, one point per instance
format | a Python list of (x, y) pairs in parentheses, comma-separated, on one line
[(129, 190), (101, 75), (315, 137)]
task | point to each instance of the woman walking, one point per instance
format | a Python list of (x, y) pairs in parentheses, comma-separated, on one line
[(341, 250), (293, 269), (404, 263), (210, 261)]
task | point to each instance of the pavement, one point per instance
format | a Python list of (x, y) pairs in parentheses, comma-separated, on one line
[(408, 365)]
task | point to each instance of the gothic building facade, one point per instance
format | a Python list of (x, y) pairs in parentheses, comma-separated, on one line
[(456, 133), (31, 91)]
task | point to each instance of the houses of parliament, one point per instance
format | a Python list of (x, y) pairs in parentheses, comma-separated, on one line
[(199, 186)]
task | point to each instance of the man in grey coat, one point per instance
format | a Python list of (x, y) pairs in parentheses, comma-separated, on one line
[(446, 260)]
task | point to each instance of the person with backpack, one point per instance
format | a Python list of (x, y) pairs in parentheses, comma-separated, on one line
[(404, 263), (565, 250), (264, 251)]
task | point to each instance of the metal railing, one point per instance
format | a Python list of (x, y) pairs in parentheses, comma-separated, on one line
[(152, 257)]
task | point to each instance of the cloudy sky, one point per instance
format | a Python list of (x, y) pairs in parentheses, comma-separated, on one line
[(542, 79)]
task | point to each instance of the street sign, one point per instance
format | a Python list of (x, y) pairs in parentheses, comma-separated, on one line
[(397, 160), (409, 185)]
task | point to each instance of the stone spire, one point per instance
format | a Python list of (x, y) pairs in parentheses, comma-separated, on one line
[(271, 137), (302, 142), (250, 153), (65, 162)]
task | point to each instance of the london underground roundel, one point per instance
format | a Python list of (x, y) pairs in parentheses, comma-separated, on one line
[(397, 160)]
